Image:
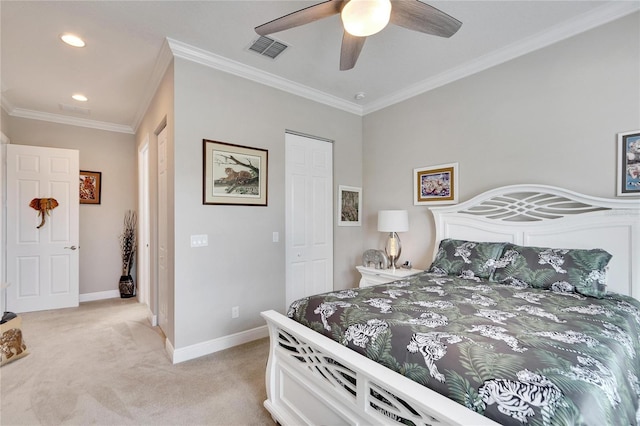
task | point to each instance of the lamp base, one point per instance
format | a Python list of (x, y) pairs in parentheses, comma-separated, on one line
[(392, 262), (393, 249)]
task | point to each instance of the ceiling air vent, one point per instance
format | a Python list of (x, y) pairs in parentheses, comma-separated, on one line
[(268, 47), (74, 109)]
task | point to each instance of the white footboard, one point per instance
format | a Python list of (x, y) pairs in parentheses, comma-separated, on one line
[(313, 380)]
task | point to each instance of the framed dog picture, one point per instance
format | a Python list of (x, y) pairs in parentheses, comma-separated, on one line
[(435, 184), (628, 181)]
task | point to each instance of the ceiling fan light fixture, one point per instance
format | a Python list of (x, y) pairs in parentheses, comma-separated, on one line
[(362, 18)]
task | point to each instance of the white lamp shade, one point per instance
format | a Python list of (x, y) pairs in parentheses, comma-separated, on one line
[(393, 221)]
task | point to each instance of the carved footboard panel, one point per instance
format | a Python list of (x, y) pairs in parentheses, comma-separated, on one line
[(313, 380)]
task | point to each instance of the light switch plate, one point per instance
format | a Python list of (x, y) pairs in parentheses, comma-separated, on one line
[(199, 240)]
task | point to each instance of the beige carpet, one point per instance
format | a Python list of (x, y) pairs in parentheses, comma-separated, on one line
[(102, 363)]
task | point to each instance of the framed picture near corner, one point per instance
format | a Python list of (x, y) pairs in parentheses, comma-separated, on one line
[(349, 206), (435, 184), (628, 180), (234, 174), (90, 187)]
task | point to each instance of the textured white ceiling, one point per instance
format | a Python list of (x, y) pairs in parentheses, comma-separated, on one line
[(126, 38)]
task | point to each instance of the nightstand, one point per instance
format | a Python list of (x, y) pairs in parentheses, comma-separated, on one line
[(373, 276)]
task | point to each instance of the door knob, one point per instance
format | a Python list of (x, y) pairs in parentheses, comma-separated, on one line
[(72, 248)]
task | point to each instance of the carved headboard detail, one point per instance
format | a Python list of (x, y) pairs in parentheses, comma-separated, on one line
[(547, 216)]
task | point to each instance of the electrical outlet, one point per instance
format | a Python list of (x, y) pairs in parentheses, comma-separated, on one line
[(235, 312)]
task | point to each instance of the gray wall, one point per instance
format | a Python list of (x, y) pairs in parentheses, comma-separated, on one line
[(159, 113), (241, 266), (548, 117), (5, 125), (111, 153)]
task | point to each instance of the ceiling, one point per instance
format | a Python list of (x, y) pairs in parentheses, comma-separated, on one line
[(129, 44)]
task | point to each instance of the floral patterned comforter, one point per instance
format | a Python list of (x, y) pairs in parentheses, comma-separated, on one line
[(515, 355)]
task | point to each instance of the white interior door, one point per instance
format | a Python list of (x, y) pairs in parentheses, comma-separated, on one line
[(309, 216), (144, 255), (163, 273), (42, 263), (4, 141)]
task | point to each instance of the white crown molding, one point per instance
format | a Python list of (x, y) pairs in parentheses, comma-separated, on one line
[(62, 119), (599, 16), (162, 63), (71, 121), (6, 104), (203, 57)]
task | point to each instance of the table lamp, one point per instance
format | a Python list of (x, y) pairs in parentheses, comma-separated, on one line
[(393, 221)]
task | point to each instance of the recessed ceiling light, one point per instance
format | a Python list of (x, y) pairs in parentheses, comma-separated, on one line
[(79, 97), (72, 40)]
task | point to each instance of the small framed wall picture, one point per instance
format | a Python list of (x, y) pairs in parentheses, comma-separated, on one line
[(435, 184), (628, 179), (90, 187), (349, 206)]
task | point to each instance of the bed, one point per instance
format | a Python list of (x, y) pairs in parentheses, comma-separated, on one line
[(487, 340)]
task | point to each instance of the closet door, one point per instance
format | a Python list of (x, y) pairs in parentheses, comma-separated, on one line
[(309, 216)]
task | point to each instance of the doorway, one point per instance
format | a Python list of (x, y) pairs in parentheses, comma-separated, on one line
[(144, 234), (43, 239), (162, 233), (308, 216)]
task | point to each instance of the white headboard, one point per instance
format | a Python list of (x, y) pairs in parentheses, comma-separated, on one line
[(546, 216)]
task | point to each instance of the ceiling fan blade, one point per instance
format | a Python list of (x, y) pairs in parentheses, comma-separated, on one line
[(418, 16), (301, 17), (351, 48)]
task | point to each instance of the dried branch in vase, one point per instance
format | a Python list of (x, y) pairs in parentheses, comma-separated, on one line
[(128, 241)]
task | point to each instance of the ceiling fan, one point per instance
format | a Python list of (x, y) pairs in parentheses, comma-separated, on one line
[(362, 18)]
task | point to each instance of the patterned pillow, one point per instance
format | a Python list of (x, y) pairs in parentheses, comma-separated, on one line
[(466, 258), (563, 270)]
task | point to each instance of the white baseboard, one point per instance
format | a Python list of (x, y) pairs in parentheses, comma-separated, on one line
[(193, 351), (215, 345), (168, 347), (100, 295), (153, 319)]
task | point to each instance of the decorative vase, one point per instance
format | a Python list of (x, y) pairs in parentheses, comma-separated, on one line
[(126, 286)]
